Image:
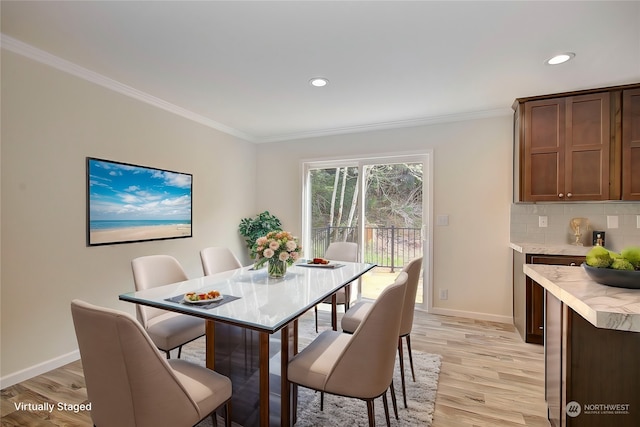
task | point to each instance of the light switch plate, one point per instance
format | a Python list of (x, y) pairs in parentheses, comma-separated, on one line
[(442, 220), (638, 221), (543, 221), (612, 221)]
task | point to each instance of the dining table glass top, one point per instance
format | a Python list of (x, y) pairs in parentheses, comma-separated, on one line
[(250, 298)]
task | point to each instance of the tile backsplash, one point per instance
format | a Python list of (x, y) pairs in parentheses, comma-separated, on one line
[(525, 222)]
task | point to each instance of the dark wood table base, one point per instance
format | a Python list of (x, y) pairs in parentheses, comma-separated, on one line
[(260, 398)]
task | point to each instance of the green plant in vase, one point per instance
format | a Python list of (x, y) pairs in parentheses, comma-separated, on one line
[(253, 228)]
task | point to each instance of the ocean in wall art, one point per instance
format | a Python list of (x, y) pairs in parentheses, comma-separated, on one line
[(130, 203)]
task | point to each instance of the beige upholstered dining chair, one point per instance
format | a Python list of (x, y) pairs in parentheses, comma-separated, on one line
[(355, 314), (359, 365), (340, 251), (130, 384), (217, 259), (167, 330)]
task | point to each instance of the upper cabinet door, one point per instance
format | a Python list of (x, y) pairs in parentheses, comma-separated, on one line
[(587, 142), (631, 144), (544, 150)]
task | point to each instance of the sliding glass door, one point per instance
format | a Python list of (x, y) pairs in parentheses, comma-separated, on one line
[(333, 207), (380, 203)]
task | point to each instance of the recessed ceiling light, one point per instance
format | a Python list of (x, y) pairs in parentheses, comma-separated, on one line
[(318, 82), (561, 58)]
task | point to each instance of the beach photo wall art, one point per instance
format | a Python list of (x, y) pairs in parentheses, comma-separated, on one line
[(129, 203)]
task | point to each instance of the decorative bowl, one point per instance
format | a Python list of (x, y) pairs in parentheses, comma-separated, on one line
[(610, 277)]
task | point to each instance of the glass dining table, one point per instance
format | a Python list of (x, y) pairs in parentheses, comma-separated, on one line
[(258, 309)]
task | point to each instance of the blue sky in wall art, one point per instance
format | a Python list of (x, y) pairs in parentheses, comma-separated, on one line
[(136, 202)]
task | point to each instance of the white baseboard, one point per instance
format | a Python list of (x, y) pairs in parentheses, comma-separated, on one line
[(38, 369), (471, 315)]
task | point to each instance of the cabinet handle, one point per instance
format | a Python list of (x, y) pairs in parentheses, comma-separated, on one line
[(561, 195), (541, 328), (573, 264), (569, 194)]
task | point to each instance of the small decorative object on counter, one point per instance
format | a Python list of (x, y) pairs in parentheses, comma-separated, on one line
[(279, 249), (579, 226), (598, 238)]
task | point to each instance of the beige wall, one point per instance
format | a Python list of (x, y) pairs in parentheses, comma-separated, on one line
[(50, 122), (472, 184)]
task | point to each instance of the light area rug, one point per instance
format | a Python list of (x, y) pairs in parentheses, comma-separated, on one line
[(341, 411), (349, 412)]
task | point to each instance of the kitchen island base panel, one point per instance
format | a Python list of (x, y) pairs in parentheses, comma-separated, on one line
[(599, 370)]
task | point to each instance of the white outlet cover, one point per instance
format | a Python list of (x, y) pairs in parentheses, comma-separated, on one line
[(612, 221), (637, 221), (543, 221)]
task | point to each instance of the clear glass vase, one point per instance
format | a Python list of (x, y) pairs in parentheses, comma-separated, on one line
[(276, 268)]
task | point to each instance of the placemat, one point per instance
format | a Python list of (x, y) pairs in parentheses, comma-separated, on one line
[(319, 265), (225, 299)]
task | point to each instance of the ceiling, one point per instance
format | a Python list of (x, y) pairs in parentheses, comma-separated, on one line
[(243, 67)]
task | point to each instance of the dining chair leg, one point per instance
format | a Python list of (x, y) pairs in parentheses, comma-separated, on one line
[(400, 355), (244, 337), (386, 408), (413, 374), (370, 413), (316, 311), (227, 414), (334, 313), (295, 403), (347, 297), (393, 400)]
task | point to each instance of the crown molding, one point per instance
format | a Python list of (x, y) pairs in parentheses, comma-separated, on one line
[(16, 46), (424, 121)]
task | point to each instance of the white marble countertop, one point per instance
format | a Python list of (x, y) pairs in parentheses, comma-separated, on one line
[(550, 249), (603, 306)]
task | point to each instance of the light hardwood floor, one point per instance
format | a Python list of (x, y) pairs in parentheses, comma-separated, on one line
[(488, 377)]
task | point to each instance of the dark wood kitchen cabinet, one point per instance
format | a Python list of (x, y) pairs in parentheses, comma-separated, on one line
[(566, 148), (631, 144), (528, 304), (578, 146), (592, 375)]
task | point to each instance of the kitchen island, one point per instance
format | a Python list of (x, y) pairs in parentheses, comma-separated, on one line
[(592, 349)]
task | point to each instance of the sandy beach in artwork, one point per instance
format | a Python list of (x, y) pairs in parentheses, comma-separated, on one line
[(114, 235)]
